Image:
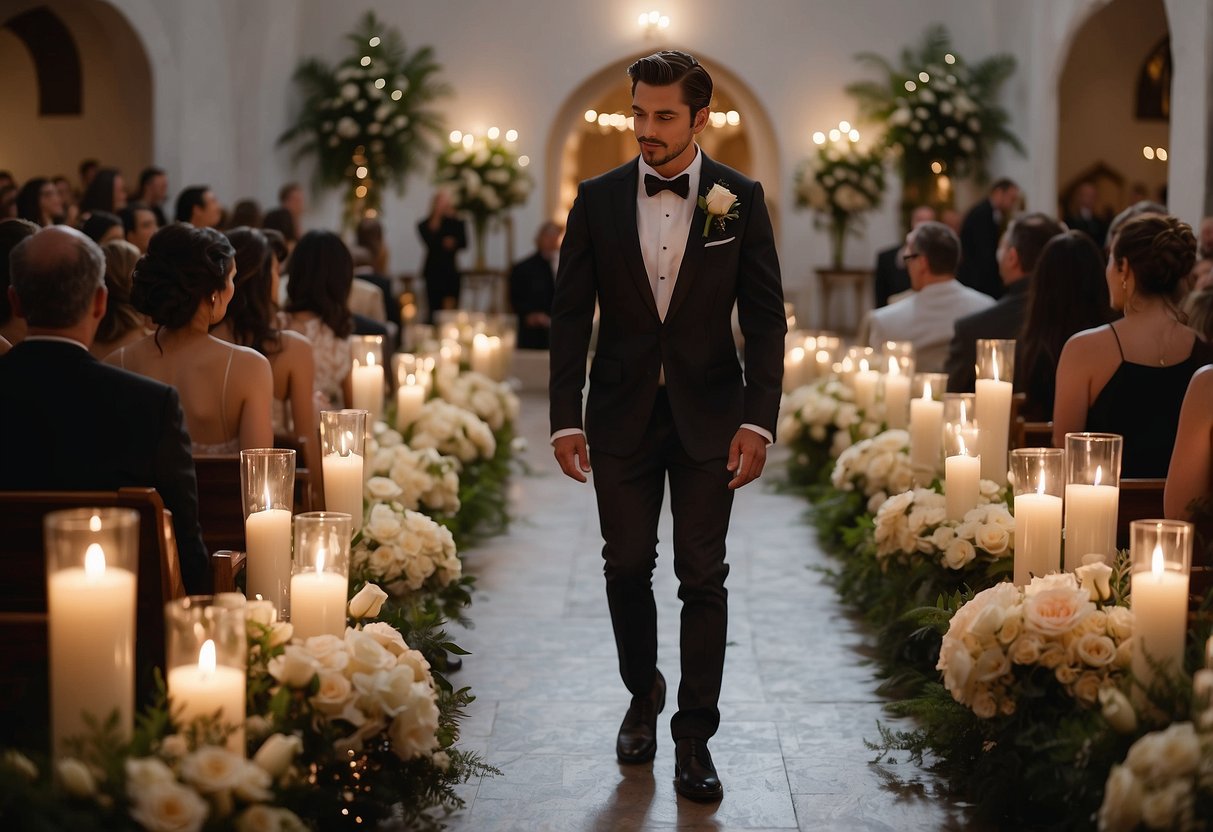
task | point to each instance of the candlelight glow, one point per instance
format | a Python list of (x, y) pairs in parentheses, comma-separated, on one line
[(94, 523), (1098, 474), (863, 365), (926, 390), (94, 561), (894, 370), (994, 360), (410, 379), (370, 359), (1040, 485), (320, 559), (206, 659), (1157, 563), (797, 354)]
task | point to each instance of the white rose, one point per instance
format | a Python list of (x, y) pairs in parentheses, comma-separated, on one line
[(1162, 809), (1053, 612), (368, 602), (367, 655), (168, 807), (413, 731), (334, 693), (383, 523), (1117, 710), (984, 706), (1120, 623), (388, 691), (1095, 580), (174, 746), (1086, 689), (1026, 649), (993, 538), (21, 764), (417, 661), (1095, 650), (294, 668), (212, 769), (281, 633), (382, 488), (1168, 754), (1121, 809), (143, 773), (720, 200), (942, 537), (329, 652), (269, 819), (260, 612), (388, 636), (991, 664), (959, 554), (76, 778), (253, 785), (441, 760), (277, 753)]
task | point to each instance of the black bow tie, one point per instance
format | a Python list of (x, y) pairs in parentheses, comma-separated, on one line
[(680, 185)]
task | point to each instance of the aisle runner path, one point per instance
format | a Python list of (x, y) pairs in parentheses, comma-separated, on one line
[(797, 702)]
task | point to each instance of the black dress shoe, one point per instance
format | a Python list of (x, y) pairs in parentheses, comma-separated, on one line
[(637, 740), (694, 775)]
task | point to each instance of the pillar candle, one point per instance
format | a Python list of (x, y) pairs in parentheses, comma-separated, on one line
[(482, 358), (318, 603), (1159, 599), (961, 484), (825, 363), (202, 689), (1090, 522), (497, 358), (1037, 535), (267, 537), (91, 623), (409, 399), (793, 364), (896, 397), (926, 433), (343, 485), (367, 382), (994, 417), (864, 385)]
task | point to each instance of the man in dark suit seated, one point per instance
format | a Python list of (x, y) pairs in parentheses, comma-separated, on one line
[(1017, 255), (532, 287), (69, 422), (979, 236), (891, 275)]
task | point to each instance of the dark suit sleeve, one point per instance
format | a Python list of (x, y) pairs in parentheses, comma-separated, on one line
[(177, 483), (883, 280), (518, 289), (761, 315), (572, 318), (962, 360)]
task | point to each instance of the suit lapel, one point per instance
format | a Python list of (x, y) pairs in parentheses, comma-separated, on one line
[(692, 255), (624, 211)]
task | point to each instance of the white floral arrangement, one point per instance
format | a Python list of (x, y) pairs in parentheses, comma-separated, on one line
[(452, 431), (493, 401), (825, 412), (1056, 624), (913, 525), (405, 550), (838, 185), (876, 467), (419, 479), (485, 178), (1160, 785)]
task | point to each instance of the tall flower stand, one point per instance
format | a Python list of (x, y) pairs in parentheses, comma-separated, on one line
[(855, 283)]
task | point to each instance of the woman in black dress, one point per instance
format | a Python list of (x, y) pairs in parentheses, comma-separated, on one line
[(443, 234)]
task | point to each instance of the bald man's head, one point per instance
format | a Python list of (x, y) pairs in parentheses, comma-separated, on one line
[(56, 274)]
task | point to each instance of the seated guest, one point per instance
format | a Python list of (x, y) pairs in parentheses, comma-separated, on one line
[(105, 192), (8, 202), (251, 322), (280, 220), (369, 236), (1198, 309), (891, 277), (1129, 377), (88, 169), (138, 224), (979, 235), (101, 227), (532, 287), (292, 200), (39, 202), (94, 427), (317, 306), (67, 198), (246, 213), (184, 284), (1017, 255), (5, 346), (198, 206), (1085, 217), (1190, 475), (926, 318), (12, 232), (1067, 293), (152, 192), (122, 324)]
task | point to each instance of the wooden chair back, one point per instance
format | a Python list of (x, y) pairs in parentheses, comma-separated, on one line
[(24, 649), (220, 509), (1032, 434), (1140, 499)]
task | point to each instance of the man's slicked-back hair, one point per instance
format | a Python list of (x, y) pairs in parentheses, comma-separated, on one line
[(662, 69)]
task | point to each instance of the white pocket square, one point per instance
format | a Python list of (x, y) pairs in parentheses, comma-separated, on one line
[(719, 242)]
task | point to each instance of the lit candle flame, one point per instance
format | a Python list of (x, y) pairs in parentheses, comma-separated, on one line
[(94, 561), (269, 499), (320, 555), (94, 523), (1040, 484), (370, 359), (206, 659), (797, 355), (823, 356), (964, 451), (893, 368), (1157, 563), (926, 390), (994, 361), (1098, 473), (410, 380), (863, 365)]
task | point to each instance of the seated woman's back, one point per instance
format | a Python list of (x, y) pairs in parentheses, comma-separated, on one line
[(1130, 377), (184, 284)]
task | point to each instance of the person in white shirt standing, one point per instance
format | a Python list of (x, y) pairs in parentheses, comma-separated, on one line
[(927, 317)]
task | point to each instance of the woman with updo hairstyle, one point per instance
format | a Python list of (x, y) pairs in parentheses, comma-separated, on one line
[(184, 284), (122, 324), (317, 307), (106, 192), (251, 321), (1129, 377)]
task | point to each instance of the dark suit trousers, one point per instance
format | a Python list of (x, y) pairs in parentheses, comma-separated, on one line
[(630, 490)]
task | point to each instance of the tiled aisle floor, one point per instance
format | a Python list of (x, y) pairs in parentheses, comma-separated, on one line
[(797, 700)]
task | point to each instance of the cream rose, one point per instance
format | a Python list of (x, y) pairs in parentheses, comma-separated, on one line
[(719, 200), (254, 784), (383, 523), (1026, 649), (277, 753), (334, 693), (993, 538), (269, 819), (1095, 650), (1164, 808), (1120, 622), (144, 772), (1066, 674), (1086, 689), (329, 652), (390, 691), (212, 769), (959, 554), (294, 668), (388, 636), (1053, 612), (260, 612), (368, 602), (382, 488), (168, 807), (76, 778), (1117, 710), (1121, 809), (21, 764), (984, 705), (414, 730), (1095, 579), (367, 655)]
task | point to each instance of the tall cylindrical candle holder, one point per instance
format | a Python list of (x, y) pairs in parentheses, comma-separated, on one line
[(320, 583), (895, 384), (962, 464), (1162, 561), (1039, 483), (267, 491), (367, 377), (827, 350), (410, 390), (995, 370), (207, 663), (92, 557), (1092, 495), (342, 440), (795, 361), (926, 425)]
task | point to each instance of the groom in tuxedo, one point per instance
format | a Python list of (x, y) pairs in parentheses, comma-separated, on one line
[(666, 245)]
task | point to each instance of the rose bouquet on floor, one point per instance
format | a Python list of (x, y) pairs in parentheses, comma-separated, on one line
[(493, 401), (420, 479), (913, 526), (1165, 782), (405, 551), (819, 422)]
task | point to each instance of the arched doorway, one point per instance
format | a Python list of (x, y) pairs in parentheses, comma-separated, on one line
[(741, 136), (1114, 107), (42, 129)]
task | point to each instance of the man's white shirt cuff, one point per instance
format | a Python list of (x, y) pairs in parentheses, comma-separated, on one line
[(560, 434)]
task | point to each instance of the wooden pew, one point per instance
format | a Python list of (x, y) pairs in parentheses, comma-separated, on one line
[(220, 510), (1140, 499)]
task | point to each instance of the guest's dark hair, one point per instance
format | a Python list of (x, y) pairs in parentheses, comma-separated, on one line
[(251, 309), (192, 197), (1137, 209), (1161, 250), (1067, 293), (29, 200), (183, 267), (128, 215), (281, 221), (245, 213), (670, 67), (1198, 307), (12, 231), (8, 202), (120, 317), (1002, 183), (277, 244), (369, 235), (87, 165), (938, 245), (1028, 236), (321, 274), (99, 223), (286, 190), (99, 196), (57, 288), (146, 177)]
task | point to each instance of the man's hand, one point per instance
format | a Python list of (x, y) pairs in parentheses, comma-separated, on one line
[(574, 458), (747, 456)]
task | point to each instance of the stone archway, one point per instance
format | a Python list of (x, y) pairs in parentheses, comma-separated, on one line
[(753, 140)]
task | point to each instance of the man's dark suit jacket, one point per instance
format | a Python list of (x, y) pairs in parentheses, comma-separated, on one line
[(532, 287), (1095, 227), (891, 277), (69, 422), (979, 250), (1002, 320), (601, 260)]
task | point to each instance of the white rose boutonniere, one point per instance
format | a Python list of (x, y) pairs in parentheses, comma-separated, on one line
[(720, 205)]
